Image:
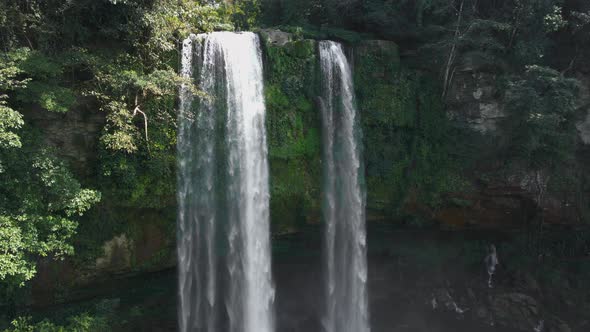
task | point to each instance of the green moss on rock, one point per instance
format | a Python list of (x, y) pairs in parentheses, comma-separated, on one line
[(293, 132), (406, 131)]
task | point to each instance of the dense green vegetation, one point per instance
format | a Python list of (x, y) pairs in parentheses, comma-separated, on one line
[(40, 197), (406, 134), (119, 59), (531, 47), (82, 323), (294, 133), (116, 57)]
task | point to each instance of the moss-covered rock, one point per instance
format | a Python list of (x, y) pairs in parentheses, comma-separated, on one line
[(293, 125), (406, 132)]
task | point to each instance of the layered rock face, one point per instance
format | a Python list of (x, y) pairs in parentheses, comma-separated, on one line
[(505, 199), (74, 134), (474, 102)]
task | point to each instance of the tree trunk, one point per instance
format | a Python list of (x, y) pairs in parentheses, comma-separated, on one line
[(452, 54)]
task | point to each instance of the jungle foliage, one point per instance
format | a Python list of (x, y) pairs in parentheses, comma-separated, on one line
[(118, 57), (40, 198)]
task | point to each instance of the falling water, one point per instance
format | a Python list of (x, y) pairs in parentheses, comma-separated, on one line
[(344, 197), (223, 226), (491, 262)]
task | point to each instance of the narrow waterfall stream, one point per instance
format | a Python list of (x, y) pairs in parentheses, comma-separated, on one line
[(223, 195), (344, 197)]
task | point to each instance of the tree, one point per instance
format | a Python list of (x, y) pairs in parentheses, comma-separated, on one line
[(466, 33), (542, 112), (10, 120), (38, 209), (39, 197)]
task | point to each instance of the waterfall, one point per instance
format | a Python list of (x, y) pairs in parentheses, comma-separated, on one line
[(223, 190), (344, 197)]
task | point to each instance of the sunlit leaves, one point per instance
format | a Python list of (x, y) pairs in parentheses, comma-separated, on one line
[(45, 88), (580, 20), (49, 96), (554, 21), (39, 198), (10, 70), (64, 193), (10, 80), (168, 22), (127, 89), (10, 120), (80, 323), (25, 236), (120, 132), (38, 194), (12, 252)]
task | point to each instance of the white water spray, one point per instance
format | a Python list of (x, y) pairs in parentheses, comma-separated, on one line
[(344, 197), (223, 188)]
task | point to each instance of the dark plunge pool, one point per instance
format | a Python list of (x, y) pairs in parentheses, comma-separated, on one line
[(419, 280)]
